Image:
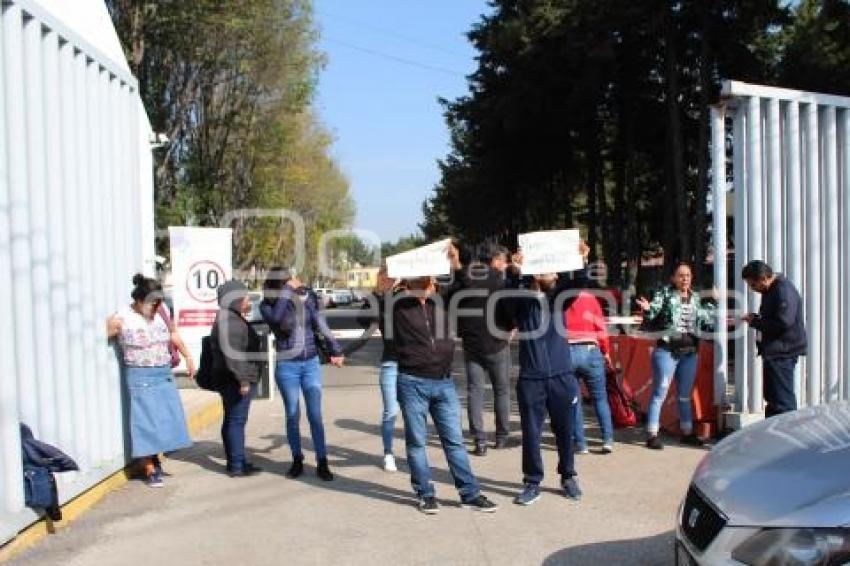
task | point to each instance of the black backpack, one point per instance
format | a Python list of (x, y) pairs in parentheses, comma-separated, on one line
[(208, 377)]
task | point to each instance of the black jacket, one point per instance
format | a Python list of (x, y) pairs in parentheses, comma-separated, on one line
[(780, 321), (374, 317), (420, 332), (231, 328), (477, 339)]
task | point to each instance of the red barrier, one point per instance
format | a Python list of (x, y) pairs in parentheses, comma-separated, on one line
[(633, 356)]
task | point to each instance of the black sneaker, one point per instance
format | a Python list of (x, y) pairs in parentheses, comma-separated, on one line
[(481, 504), (529, 495), (429, 505), (692, 440), (297, 468), (480, 449), (571, 489), (501, 444), (246, 471), (324, 471), (654, 443)]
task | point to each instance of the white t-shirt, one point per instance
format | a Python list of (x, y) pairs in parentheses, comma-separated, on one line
[(144, 343)]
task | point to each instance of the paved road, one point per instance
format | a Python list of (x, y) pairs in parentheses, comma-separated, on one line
[(368, 516)]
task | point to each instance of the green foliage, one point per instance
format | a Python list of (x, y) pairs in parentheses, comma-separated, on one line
[(594, 115), (231, 84)]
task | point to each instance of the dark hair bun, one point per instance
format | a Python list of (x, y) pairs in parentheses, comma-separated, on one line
[(138, 279)]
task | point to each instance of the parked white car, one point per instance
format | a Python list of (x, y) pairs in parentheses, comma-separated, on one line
[(326, 298)]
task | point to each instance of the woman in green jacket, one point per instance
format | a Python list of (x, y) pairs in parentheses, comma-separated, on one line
[(677, 314)]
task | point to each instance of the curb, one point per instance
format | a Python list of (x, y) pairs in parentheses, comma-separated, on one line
[(74, 509)]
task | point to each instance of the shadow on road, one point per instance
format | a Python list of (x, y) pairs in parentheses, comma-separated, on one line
[(657, 550)]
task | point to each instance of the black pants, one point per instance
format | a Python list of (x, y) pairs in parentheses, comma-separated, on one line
[(537, 397), (778, 386)]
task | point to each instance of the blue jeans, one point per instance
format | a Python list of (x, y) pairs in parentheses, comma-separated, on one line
[(292, 378), (418, 398), (589, 365), (236, 407), (666, 366), (389, 395)]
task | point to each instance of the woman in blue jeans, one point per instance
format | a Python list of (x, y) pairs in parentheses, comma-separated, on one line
[(677, 314), (375, 320), (292, 312), (234, 342)]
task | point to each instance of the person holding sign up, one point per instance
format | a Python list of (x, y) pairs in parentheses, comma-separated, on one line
[(425, 351), (547, 383)]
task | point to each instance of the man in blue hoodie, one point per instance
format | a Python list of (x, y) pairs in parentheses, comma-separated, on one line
[(546, 383)]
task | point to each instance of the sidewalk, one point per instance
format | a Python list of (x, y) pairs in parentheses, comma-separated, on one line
[(368, 516)]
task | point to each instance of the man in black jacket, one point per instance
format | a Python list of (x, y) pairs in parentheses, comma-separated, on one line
[(486, 355), (782, 334), (425, 351)]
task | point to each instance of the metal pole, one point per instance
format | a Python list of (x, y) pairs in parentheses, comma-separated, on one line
[(774, 230), (739, 160), (831, 271), (11, 481), (793, 212), (813, 251), (718, 176), (844, 128), (755, 218)]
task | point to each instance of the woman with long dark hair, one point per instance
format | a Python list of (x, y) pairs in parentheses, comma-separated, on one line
[(157, 421), (292, 313), (677, 314)]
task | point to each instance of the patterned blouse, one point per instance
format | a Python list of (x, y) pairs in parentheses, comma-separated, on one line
[(144, 344), (683, 316)]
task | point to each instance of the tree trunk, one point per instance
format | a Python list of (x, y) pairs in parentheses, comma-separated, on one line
[(701, 225), (675, 150)]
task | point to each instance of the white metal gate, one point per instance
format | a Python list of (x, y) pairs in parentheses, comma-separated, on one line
[(75, 204), (791, 185)]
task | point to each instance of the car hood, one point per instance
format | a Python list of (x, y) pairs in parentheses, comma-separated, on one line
[(792, 470)]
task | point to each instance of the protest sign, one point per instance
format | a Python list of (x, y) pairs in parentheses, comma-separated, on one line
[(552, 251), (427, 260)]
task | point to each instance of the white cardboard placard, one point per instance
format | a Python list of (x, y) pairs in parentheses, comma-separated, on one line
[(551, 251), (421, 262)]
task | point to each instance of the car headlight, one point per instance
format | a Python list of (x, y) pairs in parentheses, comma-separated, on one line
[(795, 547)]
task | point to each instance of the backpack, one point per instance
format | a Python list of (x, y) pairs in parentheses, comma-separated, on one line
[(621, 400), (207, 377)]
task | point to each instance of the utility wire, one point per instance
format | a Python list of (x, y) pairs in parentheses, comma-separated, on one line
[(409, 39), (395, 58)]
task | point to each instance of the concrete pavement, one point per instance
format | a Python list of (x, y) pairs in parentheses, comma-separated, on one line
[(368, 516)]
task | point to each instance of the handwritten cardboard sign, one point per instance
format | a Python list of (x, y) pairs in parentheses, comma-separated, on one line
[(552, 251), (427, 260)]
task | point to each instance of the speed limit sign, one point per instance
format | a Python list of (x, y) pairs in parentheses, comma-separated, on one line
[(203, 279)]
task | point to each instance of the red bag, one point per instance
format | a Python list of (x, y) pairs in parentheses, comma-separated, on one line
[(172, 349), (621, 400)]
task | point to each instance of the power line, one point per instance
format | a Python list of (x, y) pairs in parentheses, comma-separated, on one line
[(409, 39), (395, 58)]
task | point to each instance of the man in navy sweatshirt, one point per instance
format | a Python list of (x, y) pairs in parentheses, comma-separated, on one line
[(546, 383), (782, 334)]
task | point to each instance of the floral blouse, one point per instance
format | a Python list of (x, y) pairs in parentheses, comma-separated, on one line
[(682, 316), (143, 343)]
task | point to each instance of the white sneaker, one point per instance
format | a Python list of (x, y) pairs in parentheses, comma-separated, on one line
[(389, 463), (607, 448)]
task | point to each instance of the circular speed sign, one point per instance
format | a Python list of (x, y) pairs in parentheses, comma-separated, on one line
[(203, 280)]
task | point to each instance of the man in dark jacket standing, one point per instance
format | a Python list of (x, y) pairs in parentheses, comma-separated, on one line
[(547, 384), (425, 351), (486, 355), (782, 334), (234, 342)]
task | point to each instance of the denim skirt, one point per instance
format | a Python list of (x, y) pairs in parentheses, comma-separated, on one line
[(157, 421)]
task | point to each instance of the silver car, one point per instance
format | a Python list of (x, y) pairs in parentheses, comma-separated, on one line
[(776, 493)]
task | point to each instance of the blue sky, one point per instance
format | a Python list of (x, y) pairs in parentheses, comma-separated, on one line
[(388, 61)]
